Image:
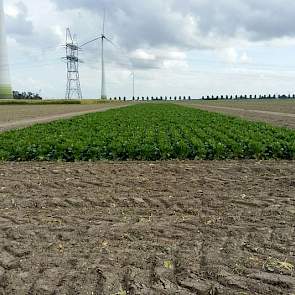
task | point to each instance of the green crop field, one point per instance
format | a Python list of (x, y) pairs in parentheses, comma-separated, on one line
[(148, 132)]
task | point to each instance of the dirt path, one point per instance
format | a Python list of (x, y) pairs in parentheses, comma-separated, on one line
[(62, 112), (275, 118), (147, 228)]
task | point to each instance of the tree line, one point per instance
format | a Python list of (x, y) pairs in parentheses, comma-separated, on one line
[(152, 98), (236, 97), (26, 95)]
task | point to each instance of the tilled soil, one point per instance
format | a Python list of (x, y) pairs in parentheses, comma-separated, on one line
[(277, 118), (20, 116), (274, 105), (147, 228)]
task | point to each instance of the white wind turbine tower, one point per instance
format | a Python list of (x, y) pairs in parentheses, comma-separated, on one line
[(103, 82), (5, 86), (103, 38)]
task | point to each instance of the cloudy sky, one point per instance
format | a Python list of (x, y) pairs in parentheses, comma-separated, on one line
[(175, 47)]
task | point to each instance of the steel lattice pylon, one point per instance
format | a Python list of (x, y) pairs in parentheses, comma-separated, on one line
[(72, 58)]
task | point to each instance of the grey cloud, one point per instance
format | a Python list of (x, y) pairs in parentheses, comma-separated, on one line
[(21, 29), (138, 23), (20, 25), (164, 22), (185, 25), (259, 20)]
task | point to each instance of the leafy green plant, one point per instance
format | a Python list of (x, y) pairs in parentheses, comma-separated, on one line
[(148, 132)]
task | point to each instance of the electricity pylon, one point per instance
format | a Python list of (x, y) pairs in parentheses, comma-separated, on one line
[(72, 58)]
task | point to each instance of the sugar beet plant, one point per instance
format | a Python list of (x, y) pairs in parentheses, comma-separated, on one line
[(148, 132)]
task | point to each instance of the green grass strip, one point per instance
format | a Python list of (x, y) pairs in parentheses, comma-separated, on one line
[(148, 132), (37, 102)]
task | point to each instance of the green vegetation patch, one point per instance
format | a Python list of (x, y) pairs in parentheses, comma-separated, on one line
[(37, 102), (5, 92), (148, 132)]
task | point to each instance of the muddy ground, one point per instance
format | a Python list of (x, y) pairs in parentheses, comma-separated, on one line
[(147, 228)]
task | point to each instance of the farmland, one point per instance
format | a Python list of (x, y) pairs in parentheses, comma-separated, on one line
[(277, 112), (193, 227), (273, 105), (148, 132), (87, 208), (18, 116)]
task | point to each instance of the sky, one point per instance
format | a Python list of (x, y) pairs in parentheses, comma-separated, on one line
[(174, 47)]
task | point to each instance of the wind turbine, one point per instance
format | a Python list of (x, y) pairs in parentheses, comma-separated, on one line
[(5, 86), (133, 83), (102, 38), (103, 77)]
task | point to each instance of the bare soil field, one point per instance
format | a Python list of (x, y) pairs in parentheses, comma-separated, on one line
[(280, 106), (18, 116), (147, 228), (276, 112)]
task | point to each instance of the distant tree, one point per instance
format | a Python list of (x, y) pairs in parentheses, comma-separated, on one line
[(26, 95)]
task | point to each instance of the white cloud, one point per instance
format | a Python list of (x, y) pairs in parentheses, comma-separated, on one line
[(230, 55), (11, 10), (245, 58), (157, 37), (142, 54), (234, 56)]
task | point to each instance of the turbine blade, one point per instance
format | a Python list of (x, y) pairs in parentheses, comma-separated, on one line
[(103, 21), (110, 41), (97, 38)]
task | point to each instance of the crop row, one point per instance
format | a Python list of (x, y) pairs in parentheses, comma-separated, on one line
[(148, 132)]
